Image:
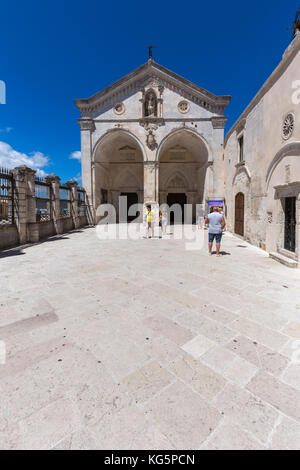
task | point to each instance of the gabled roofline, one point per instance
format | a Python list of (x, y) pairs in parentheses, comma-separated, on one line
[(287, 58), (221, 101)]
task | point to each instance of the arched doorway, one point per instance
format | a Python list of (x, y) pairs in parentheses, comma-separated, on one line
[(183, 162), (239, 214), (119, 171)]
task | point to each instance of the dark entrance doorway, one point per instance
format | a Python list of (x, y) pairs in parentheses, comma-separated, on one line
[(132, 198), (176, 198), (239, 214), (290, 224)]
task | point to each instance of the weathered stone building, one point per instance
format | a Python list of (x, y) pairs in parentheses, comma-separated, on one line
[(156, 137), (262, 164)]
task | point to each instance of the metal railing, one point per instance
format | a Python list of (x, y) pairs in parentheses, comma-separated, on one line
[(81, 202), (65, 201), (43, 200), (6, 197)]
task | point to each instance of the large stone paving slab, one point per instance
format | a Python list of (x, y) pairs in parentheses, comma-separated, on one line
[(144, 345)]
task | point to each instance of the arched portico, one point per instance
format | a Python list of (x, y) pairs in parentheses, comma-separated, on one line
[(118, 169), (183, 158)]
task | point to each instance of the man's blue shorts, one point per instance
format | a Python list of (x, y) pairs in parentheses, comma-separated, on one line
[(217, 236)]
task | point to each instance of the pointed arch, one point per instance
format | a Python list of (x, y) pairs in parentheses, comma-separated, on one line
[(183, 131), (111, 133), (178, 177), (292, 149), (242, 169)]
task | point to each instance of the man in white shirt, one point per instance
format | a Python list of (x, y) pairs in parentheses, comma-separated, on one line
[(216, 224)]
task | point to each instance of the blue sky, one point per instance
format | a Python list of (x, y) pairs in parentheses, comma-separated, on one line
[(55, 51)]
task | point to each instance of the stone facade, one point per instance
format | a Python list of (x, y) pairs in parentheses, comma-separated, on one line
[(268, 172), (152, 135)]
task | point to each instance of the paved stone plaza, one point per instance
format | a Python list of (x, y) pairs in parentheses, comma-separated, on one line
[(144, 345)]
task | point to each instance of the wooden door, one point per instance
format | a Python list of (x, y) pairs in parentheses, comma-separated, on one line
[(239, 214)]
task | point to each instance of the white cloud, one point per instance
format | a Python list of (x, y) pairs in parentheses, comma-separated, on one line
[(10, 158), (78, 178), (75, 156)]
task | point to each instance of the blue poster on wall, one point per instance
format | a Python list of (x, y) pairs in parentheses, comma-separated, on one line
[(215, 203)]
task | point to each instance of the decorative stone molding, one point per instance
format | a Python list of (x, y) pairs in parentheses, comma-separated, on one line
[(151, 123), (241, 168), (152, 74), (289, 149), (52, 178), (71, 183), (86, 124), (240, 164), (151, 163), (20, 172), (119, 108), (183, 106), (287, 190), (219, 122), (151, 142), (161, 89), (288, 126), (241, 126)]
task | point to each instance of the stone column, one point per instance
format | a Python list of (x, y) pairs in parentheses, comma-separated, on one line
[(115, 202), (218, 124), (160, 101), (87, 127), (151, 187), (191, 199), (54, 182), (151, 182), (24, 195), (73, 185)]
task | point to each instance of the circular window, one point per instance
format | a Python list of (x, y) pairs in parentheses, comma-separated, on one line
[(183, 106), (288, 126), (119, 108)]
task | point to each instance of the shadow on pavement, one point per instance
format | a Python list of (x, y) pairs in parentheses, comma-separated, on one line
[(223, 253), (13, 252)]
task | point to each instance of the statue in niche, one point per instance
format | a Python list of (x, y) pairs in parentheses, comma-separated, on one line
[(150, 105)]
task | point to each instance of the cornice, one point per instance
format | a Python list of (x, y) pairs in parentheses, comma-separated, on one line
[(86, 124), (219, 122), (153, 74)]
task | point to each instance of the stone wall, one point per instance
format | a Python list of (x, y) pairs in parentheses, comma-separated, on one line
[(270, 169), (24, 228), (8, 236)]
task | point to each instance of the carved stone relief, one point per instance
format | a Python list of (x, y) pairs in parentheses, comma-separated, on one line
[(183, 106)]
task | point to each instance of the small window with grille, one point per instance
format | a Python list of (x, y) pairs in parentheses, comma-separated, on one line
[(241, 149)]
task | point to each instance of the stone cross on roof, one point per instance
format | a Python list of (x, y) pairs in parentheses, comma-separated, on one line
[(150, 49)]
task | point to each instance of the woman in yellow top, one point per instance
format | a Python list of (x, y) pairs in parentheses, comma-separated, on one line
[(150, 219)]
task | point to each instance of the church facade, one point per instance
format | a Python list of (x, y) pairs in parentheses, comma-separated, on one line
[(154, 137), (157, 138)]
